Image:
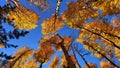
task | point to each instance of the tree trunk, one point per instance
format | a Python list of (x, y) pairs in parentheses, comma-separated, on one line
[(75, 57), (41, 65), (82, 58), (69, 61), (12, 63), (104, 56)]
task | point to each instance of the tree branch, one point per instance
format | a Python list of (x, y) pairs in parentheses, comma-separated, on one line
[(75, 57), (69, 61), (103, 56), (82, 57), (100, 36)]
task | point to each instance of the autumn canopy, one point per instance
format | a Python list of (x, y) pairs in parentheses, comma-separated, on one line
[(97, 26)]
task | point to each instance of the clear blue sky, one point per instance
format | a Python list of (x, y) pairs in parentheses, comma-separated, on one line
[(35, 35)]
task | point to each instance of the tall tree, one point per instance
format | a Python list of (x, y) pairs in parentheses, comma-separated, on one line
[(98, 33), (43, 54)]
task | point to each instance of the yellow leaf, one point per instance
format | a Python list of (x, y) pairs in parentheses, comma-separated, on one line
[(23, 18), (30, 64), (54, 63), (50, 25), (105, 65), (20, 57), (91, 66), (44, 53)]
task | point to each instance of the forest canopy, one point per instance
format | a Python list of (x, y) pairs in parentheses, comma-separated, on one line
[(94, 31)]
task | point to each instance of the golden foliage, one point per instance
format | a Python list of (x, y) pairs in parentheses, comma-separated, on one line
[(91, 66), (64, 61), (53, 39), (98, 35), (30, 64), (105, 50), (49, 25), (100, 38), (43, 54), (54, 63), (56, 41), (117, 53), (23, 51), (105, 64), (116, 23), (76, 14), (49, 39), (107, 6), (67, 41), (23, 18), (107, 31), (21, 56)]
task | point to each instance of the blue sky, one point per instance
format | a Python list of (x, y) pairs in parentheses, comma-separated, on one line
[(35, 35)]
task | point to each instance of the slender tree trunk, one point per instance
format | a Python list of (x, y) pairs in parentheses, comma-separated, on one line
[(82, 57), (99, 51), (100, 36), (56, 12), (103, 56), (75, 57), (69, 61), (41, 65)]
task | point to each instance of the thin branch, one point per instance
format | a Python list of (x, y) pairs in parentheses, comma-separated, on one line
[(41, 64), (75, 57), (103, 56), (101, 31), (112, 35), (82, 57), (12, 63), (100, 36)]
